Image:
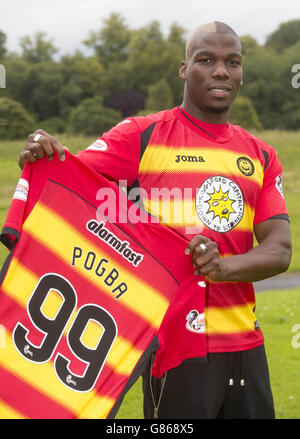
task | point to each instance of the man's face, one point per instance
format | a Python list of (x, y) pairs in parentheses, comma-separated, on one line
[(213, 73)]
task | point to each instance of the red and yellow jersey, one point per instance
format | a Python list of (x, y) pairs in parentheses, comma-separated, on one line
[(200, 178), (83, 293)]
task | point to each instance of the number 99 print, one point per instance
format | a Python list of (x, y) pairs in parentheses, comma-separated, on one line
[(53, 330)]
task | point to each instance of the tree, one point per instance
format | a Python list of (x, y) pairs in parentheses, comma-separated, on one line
[(146, 49), (81, 78), (110, 43), (262, 83), (53, 125), (91, 117), (159, 96), (43, 86), (16, 122), (128, 102), (172, 57), (2, 45), (176, 36), (285, 36), (248, 43), (38, 48), (243, 113)]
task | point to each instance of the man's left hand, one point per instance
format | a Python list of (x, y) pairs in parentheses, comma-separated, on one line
[(206, 258)]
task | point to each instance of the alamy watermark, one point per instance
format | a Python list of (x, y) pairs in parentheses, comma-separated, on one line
[(2, 336), (296, 337), (296, 77), (2, 76), (172, 206)]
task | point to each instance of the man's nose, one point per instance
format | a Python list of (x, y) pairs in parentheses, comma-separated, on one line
[(220, 71)]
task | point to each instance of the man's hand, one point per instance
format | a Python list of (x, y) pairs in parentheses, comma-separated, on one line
[(206, 258), (270, 257), (38, 145)]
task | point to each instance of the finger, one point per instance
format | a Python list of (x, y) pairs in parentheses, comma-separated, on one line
[(39, 146), (46, 146), (195, 243), (203, 257), (37, 150), (50, 144), (205, 269), (59, 149), (202, 250), (203, 261), (26, 156)]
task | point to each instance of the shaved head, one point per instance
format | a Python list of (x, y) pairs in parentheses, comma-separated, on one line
[(212, 27)]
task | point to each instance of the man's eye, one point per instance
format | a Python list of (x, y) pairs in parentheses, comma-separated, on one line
[(235, 62), (204, 60)]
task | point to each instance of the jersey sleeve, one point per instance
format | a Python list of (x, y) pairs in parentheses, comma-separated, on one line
[(116, 154), (15, 216), (271, 202)]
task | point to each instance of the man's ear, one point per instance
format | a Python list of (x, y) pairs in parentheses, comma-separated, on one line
[(182, 70)]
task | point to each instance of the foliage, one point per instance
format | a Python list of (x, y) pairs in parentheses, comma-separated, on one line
[(159, 96), (129, 69), (2, 45), (110, 43), (285, 36), (91, 117), (53, 125), (243, 113), (37, 48), (248, 44), (128, 102), (15, 120)]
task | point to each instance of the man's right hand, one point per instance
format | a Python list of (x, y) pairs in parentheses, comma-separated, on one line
[(38, 145)]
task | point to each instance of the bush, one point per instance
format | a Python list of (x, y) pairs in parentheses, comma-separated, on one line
[(92, 118), (159, 96), (16, 122), (54, 125), (243, 113)]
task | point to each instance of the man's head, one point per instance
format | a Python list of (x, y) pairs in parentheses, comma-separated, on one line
[(212, 71)]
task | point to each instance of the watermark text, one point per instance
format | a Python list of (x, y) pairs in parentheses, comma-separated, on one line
[(296, 77), (296, 337), (2, 76)]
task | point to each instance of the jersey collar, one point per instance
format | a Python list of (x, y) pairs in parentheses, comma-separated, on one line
[(215, 132)]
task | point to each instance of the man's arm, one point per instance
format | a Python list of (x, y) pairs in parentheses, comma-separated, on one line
[(116, 154), (270, 257)]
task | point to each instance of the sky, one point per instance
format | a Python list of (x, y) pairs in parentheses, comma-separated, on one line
[(68, 22)]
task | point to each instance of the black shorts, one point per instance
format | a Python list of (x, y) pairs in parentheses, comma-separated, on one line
[(232, 385)]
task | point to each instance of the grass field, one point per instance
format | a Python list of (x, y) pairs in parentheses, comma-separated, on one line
[(277, 311)]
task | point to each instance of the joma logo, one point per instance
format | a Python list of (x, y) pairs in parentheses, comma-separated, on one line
[(189, 158)]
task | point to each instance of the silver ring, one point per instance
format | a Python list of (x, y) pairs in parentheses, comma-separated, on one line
[(203, 247), (37, 138)]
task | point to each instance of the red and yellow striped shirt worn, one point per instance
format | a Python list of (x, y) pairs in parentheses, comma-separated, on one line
[(200, 178)]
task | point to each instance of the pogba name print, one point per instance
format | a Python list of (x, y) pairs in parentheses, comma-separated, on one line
[(100, 269)]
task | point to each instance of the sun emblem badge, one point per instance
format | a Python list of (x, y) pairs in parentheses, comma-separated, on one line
[(220, 203), (246, 166)]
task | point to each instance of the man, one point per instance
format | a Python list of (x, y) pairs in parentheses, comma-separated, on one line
[(235, 191)]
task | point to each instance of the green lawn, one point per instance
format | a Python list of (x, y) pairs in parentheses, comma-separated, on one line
[(277, 311), (287, 145)]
